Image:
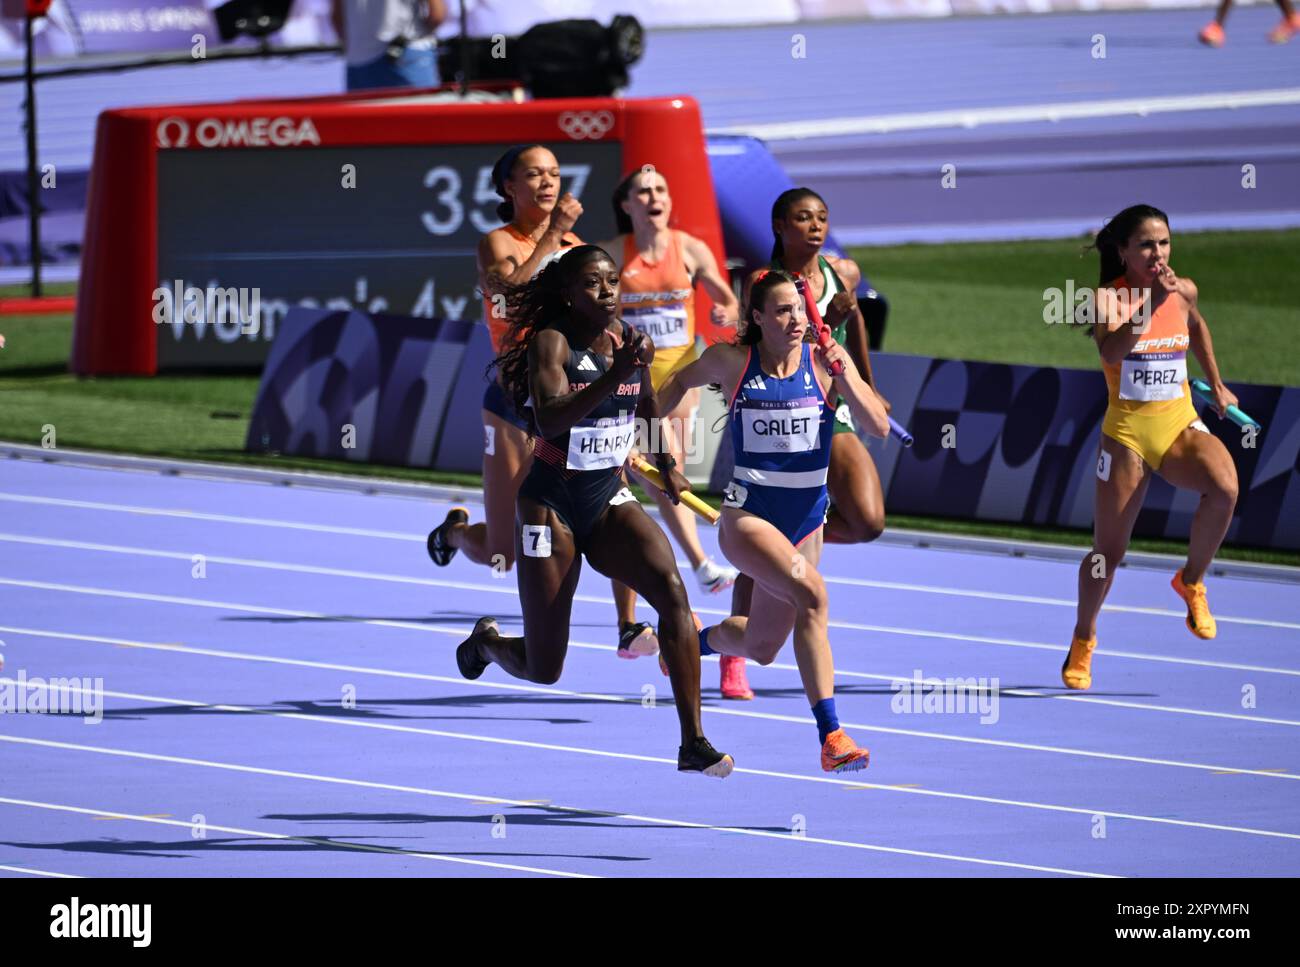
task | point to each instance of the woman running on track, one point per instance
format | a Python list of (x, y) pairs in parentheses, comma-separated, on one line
[(800, 224), (583, 373), (660, 267), (1146, 321), (775, 507), (539, 225)]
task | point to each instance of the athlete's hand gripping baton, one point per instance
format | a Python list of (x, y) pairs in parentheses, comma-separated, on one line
[(824, 338), (1202, 389), (652, 474)]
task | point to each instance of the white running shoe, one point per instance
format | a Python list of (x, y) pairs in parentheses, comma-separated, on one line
[(715, 578)]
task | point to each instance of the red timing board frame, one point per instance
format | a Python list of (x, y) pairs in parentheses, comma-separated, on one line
[(115, 332)]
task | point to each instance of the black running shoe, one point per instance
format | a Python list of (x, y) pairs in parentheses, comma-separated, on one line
[(635, 640), (467, 658), (440, 552), (700, 756)]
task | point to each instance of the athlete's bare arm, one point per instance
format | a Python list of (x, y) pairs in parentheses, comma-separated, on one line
[(497, 263), (863, 401), (721, 363), (1198, 330), (555, 406), (703, 268)]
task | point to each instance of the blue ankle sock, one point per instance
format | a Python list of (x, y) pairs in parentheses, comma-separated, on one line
[(827, 720), (704, 643)]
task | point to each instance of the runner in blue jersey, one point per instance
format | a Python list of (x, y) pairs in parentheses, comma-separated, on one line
[(771, 528), (582, 375)]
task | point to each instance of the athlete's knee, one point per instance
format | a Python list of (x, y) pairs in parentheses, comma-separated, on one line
[(502, 559), (1224, 489), (869, 528), (546, 671), (765, 652), (810, 593)]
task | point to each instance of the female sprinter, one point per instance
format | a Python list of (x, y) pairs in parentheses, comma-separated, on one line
[(772, 518), (800, 225), (582, 370), (539, 222), (660, 267), (1146, 321)]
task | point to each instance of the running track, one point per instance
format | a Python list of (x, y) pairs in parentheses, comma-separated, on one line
[(224, 698)]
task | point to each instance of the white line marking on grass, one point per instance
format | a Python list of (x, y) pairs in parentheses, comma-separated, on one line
[(1014, 114), (417, 790), (623, 699), (23, 869), (257, 833)]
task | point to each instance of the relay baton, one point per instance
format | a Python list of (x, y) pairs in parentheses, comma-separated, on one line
[(815, 317), (824, 337), (1202, 389), (652, 474)]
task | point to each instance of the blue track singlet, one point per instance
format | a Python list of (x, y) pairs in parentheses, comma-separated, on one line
[(781, 437)]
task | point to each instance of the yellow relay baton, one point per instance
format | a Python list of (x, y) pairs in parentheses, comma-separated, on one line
[(651, 473)]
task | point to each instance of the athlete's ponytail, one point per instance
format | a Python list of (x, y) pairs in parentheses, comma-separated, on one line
[(533, 306), (1116, 235), (781, 209)]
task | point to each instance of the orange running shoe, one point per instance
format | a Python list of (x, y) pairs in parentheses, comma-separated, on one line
[(1212, 34), (1076, 671), (1199, 620), (735, 684), (1285, 30), (842, 754)]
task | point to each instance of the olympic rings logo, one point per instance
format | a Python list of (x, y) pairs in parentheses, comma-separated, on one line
[(581, 125)]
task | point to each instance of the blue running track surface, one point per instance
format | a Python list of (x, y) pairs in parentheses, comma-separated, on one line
[(280, 698)]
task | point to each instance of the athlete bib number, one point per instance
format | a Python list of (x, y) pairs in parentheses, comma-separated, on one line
[(666, 325), (600, 447), (793, 430), (1152, 377)]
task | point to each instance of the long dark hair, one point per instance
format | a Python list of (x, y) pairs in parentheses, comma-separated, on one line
[(533, 306), (781, 208), (1115, 236), (621, 218), (501, 173), (752, 333)]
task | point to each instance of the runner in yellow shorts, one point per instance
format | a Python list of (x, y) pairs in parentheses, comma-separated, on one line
[(1147, 320)]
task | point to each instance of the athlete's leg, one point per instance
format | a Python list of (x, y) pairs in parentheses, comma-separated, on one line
[(549, 566), (789, 594), (1199, 461), (507, 457), (858, 514), (1122, 481), (628, 546)]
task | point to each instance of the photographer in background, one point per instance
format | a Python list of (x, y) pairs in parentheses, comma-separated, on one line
[(389, 43)]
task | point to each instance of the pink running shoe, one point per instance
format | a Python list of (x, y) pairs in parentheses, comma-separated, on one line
[(734, 682)]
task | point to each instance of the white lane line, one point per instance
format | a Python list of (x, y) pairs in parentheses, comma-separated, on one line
[(285, 837), (1013, 114), (1031, 599), (417, 790), (24, 869), (584, 750), (459, 632), (218, 518), (370, 575), (589, 646), (847, 625)]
